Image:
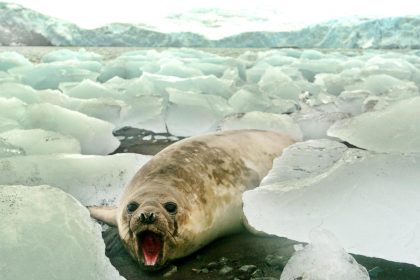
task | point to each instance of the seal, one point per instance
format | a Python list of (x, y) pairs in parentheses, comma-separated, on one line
[(190, 193)]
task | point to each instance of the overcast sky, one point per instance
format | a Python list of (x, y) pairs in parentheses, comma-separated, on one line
[(94, 13)]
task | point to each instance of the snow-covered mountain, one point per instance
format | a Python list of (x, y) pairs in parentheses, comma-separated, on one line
[(21, 26)]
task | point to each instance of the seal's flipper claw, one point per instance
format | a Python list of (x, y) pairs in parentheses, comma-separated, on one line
[(108, 215)]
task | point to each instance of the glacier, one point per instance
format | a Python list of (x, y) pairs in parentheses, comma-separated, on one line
[(21, 26)]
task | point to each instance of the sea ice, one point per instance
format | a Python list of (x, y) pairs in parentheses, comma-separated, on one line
[(265, 121), (93, 180), (47, 234), (369, 201), (94, 135), (323, 259), (38, 141), (394, 129)]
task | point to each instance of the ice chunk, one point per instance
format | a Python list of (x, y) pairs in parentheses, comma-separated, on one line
[(314, 122), (9, 150), (333, 83), (265, 121), (121, 67), (311, 54), (8, 124), (9, 60), (89, 89), (22, 92), (93, 180), (382, 84), (177, 68), (283, 106), (66, 54), (94, 135), (5, 77), (396, 128), (247, 100), (105, 109), (365, 199), (49, 235), (398, 68), (352, 102), (323, 259), (38, 141), (145, 112), (190, 113), (50, 75), (12, 108), (276, 83), (203, 84), (310, 68)]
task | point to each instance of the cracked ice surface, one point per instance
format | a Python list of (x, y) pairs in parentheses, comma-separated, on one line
[(58, 241), (369, 201), (93, 180)]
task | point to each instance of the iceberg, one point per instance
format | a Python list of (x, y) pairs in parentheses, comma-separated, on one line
[(49, 235), (92, 180), (368, 200)]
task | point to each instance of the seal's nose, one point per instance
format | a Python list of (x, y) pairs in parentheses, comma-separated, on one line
[(147, 218)]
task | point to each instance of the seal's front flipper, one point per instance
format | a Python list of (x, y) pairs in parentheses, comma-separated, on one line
[(108, 215)]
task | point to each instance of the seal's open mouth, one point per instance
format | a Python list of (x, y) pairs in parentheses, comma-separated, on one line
[(151, 246)]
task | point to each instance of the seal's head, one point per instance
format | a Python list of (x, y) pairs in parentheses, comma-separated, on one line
[(149, 227)]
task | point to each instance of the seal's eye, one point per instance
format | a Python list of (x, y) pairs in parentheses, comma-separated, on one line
[(131, 207), (171, 207)]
